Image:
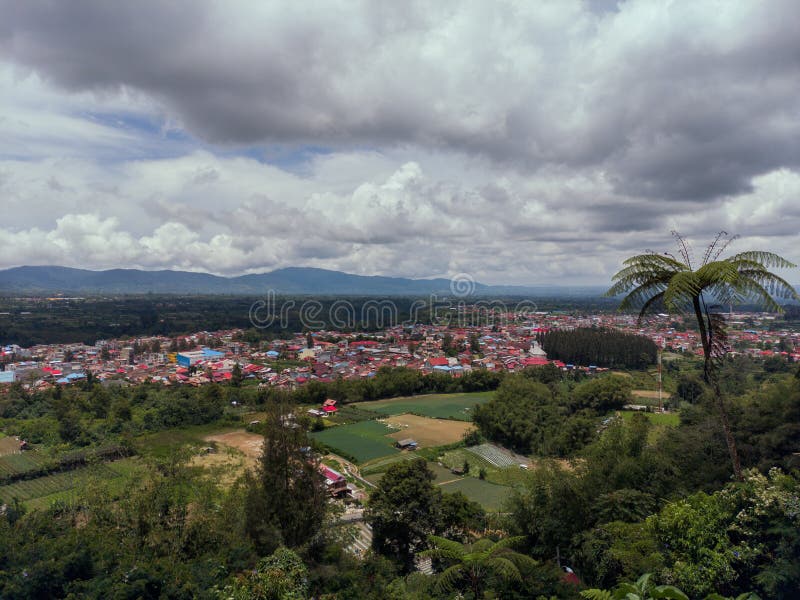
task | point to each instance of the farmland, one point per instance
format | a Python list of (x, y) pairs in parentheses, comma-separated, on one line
[(428, 432), (361, 441), (39, 492), (11, 464), (489, 495), (437, 406)]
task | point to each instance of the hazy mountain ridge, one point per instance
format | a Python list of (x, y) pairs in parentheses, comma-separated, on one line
[(292, 280)]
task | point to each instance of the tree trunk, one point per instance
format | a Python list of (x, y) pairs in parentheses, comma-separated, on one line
[(710, 376)]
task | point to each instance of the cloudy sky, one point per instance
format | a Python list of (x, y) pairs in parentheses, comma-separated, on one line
[(520, 142)]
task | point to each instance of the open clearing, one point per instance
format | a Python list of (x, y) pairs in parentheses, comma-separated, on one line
[(9, 445), (360, 442), (427, 432), (245, 442), (437, 406), (650, 394), (671, 419)]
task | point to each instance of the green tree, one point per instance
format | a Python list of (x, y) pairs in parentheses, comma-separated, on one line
[(472, 566), (690, 388), (236, 375), (404, 511), (603, 394), (286, 499), (681, 285), (280, 576), (642, 589)]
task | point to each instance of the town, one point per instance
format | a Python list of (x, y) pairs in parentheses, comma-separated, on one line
[(324, 356)]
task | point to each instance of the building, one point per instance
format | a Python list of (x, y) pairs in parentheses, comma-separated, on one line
[(407, 444), (7, 376), (188, 359), (335, 482)]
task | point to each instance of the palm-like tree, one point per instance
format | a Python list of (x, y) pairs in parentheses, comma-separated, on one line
[(650, 278), (471, 565)]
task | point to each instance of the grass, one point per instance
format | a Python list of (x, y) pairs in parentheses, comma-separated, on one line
[(361, 441), (165, 443), (438, 406), (489, 495), (380, 465), (659, 419)]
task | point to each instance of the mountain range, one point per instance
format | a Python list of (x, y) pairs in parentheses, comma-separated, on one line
[(292, 280)]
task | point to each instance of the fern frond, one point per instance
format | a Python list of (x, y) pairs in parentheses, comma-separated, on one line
[(448, 579), (505, 568), (682, 288), (767, 259), (595, 594)]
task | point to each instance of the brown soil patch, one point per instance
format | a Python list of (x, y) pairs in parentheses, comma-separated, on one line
[(247, 443), (9, 445), (427, 432), (652, 394), (224, 466)]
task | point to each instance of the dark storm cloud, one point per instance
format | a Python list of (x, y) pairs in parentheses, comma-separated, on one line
[(682, 101)]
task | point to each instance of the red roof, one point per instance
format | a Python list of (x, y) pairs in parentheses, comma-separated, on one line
[(534, 361), (439, 361)]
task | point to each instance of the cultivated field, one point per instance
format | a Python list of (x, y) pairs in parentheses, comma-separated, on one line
[(361, 442), (30, 460), (499, 457), (437, 406), (489, 495), (427, 432), (41, 491)]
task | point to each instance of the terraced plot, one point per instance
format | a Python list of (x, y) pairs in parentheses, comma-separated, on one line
[(499, 457), (11, 464), (53, 484)]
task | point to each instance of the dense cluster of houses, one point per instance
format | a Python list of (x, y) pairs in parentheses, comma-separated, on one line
[(327, 355)]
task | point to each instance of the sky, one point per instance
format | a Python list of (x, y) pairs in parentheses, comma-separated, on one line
[(516, 142)]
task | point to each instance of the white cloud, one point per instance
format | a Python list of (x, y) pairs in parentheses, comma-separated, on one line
[(522, 143)]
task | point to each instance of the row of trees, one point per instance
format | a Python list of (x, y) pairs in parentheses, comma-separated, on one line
[(599, 346)]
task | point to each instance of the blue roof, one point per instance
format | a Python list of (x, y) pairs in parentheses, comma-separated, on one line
[(207, 352)]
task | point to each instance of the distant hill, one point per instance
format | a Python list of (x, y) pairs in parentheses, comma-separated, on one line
[(293, 280)]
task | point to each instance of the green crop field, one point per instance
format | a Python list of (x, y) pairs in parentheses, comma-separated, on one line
[(438, 406), (362, 441), (489, 495), (20, 463), (49, 485)]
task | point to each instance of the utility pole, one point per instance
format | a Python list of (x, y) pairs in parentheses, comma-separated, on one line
[(660, 385)]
